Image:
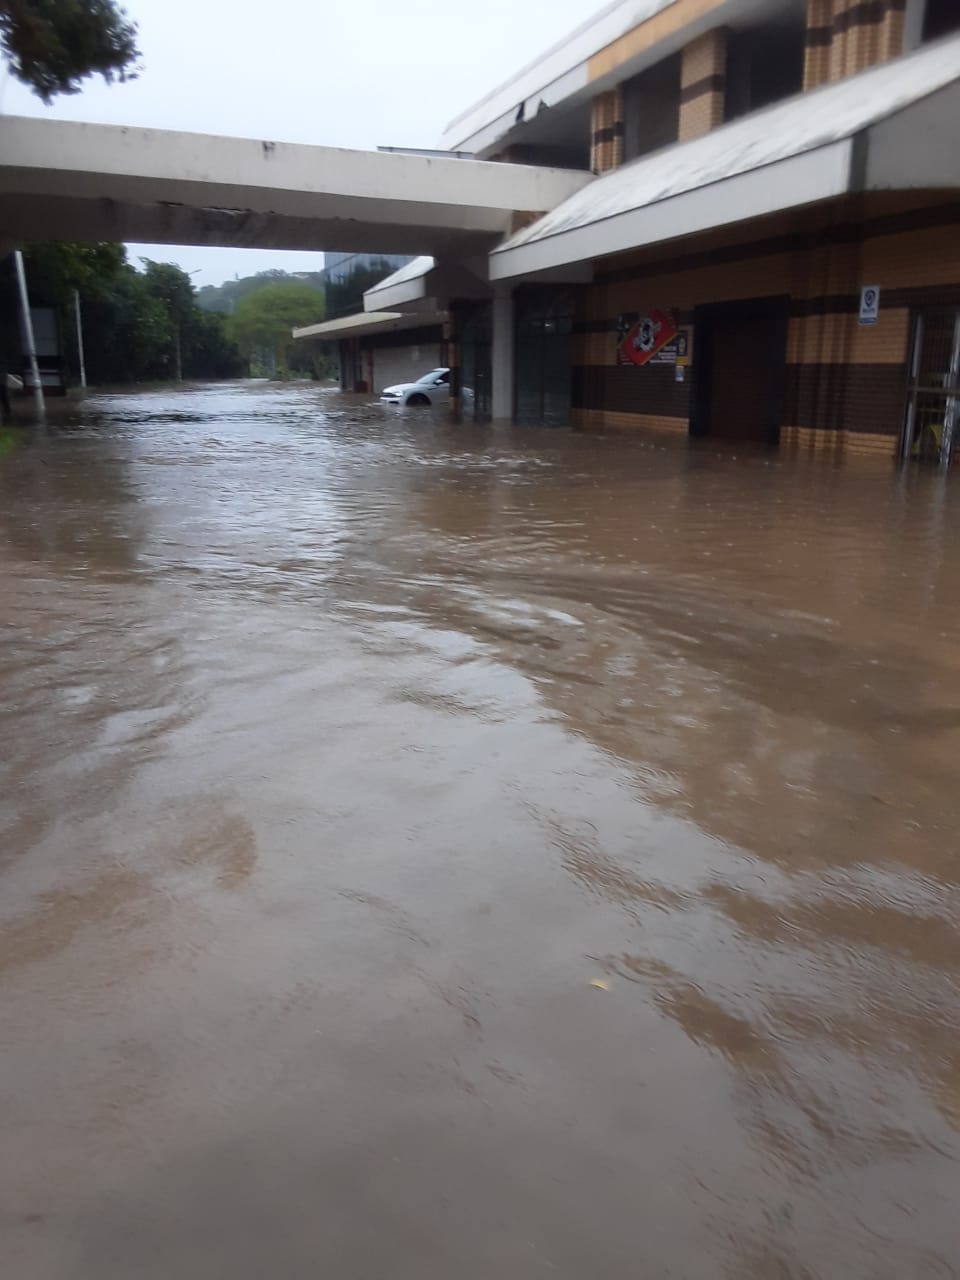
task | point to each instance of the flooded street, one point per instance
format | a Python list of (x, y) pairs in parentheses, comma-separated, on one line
[(439, 853)]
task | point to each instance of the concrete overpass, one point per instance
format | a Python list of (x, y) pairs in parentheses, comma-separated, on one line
[(66, 181)]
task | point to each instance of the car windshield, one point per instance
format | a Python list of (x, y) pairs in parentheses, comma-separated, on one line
[(432, 376)]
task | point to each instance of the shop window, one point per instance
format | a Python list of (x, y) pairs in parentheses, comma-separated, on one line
[(474, 386), (941, 18), (934, 396), (544, 323), (651, 108), (764, 64)]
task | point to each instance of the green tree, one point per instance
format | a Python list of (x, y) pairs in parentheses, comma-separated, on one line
[(127, 333), (206, 351), (132, 320), (212, 353), (173, 289), (261, 323), (60, 267), (54, 45), (225, 297)]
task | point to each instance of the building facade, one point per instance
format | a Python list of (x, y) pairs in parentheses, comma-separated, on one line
[(768, 252), (338, 267)]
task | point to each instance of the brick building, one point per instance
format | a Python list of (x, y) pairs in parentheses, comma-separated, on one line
[(769, 251)]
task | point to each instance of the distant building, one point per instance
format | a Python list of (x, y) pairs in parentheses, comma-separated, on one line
[(338, 266)]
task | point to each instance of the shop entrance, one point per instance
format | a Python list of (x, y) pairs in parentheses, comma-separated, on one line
[(933, 400), (475, 385), (544, 323), (739, 366)]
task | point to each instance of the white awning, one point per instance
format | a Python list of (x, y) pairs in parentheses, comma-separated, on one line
[(427, 284), (365, 322), (407, 284), (891, 128)]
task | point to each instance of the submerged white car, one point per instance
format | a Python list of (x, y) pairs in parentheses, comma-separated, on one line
[(432, 388)]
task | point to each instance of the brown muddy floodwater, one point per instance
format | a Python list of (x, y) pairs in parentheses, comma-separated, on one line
[(445, 854)]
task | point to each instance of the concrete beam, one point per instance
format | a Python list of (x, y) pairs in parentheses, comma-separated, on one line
[(62, 180)]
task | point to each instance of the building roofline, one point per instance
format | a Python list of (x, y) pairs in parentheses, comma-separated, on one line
[(560, 59), (847, 136), (366, 322)]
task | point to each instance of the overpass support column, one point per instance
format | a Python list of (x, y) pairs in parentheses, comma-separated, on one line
[(502, 353)]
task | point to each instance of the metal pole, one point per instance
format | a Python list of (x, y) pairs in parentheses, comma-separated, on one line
[(76, 310), (177, 351), (910, 427), (950, 414), (38, 399)]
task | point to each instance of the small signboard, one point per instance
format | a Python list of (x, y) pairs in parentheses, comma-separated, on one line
[(666, 355), (648, 335), (870, 304)]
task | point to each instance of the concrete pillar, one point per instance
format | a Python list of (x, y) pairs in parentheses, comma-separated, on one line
[(913, 24), (703, 84), (451, 358), (502, 354), (606, 131)]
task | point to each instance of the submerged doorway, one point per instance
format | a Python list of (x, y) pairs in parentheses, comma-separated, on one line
[(544, 323), (740, 352), (475, 382), (933, 400)]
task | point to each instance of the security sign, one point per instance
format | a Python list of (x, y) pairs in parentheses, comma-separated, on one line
[(870, 304), (645, 338)]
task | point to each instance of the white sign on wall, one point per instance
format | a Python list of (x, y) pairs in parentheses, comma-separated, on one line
[(870, 304)]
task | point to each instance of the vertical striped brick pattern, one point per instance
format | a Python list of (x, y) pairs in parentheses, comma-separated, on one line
[(847, 36), (703, 84), (606, 131), (816, 68), (846, 383)]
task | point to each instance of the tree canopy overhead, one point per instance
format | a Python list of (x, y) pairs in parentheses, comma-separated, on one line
[(53, 45)]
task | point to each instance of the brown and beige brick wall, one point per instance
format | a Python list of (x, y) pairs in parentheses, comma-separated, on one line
[(606, 130), (703, 84), (847, 36), (845, 385), (667, 22)]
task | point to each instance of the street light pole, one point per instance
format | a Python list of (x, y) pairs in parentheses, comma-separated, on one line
[(30, 341)]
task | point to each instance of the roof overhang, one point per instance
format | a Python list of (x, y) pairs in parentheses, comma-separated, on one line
[(363, 323), (819, 175), (560, 72), (614, 44), (893, 128), (407, 284), (425, 282)]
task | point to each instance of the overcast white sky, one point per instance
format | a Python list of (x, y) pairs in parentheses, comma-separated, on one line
[(348, 73)]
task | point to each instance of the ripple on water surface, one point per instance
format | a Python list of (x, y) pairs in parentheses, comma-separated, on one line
[(346, 749)]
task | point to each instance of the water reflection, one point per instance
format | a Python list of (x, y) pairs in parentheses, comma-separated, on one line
[(345, 748)]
